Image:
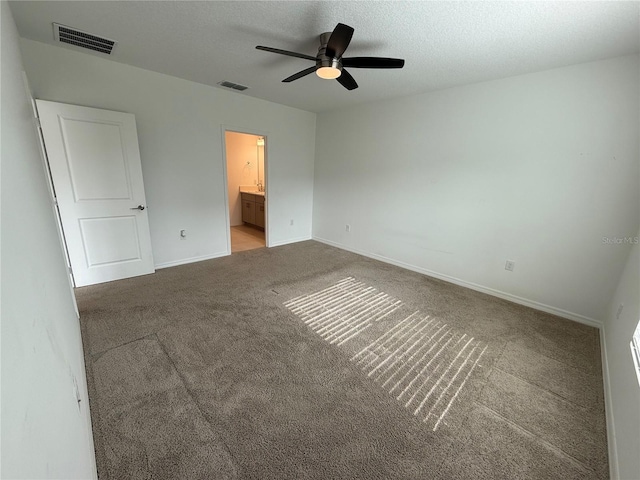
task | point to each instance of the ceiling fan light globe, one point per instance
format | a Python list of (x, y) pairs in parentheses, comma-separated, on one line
[(328, 73)]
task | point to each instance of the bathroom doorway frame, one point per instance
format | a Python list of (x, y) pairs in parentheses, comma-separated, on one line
[(259, 133)]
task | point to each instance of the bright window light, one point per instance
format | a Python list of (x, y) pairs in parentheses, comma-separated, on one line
[(635, 350)]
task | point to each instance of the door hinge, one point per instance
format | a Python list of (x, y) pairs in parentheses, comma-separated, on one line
[(71, 270), (38, 124)]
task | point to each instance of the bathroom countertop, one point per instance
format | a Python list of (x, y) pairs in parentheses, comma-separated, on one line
[(253, 192)]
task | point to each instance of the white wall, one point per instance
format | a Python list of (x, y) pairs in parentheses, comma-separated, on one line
[(535, 168), (242, 169), (180, 127), (45, 432), (623, 404)]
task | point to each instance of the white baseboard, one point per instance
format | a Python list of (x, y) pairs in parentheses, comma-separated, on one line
[(289, 240), (222, 254), (184, 261), (592, 322), (608, 407)]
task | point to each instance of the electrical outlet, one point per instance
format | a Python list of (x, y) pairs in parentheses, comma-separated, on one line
[(619, 312), (510, 265), (347, 227), (183, 234)]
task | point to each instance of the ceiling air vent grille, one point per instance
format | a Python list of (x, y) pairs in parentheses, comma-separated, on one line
[(76, 37), (234, 86)]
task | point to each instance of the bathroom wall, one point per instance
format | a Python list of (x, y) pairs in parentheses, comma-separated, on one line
[(242, 169)]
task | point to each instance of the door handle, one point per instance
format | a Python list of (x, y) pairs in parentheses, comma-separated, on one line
[(139, 207)]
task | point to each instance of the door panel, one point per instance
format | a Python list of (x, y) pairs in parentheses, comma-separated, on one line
[(116, 239), (260, 214), (248, 212), (97, 174), (96, 160)]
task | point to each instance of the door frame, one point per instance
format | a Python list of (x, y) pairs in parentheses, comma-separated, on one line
[(247, 131), (51, 188)]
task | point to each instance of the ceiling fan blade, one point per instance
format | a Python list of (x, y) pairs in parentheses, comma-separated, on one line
[(301, 74), (286, 52), (372, 62), (347, 81), (339, 40)]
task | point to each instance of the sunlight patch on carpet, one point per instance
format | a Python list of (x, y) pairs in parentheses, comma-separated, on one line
[(343, 311), (422, 362)]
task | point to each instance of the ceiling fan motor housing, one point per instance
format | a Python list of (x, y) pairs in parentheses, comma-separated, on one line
[(322, 59)]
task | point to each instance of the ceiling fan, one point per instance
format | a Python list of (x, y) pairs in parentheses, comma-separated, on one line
[(329, 62)]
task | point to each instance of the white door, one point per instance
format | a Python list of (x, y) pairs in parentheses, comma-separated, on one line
[(97, 175)]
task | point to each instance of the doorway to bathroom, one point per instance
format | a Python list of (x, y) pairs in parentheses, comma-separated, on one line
[(246, 189)]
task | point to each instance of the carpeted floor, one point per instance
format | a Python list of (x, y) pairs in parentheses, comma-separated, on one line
[(309, 362)]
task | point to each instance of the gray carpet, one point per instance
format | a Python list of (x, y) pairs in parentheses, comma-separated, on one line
[(309, 362)]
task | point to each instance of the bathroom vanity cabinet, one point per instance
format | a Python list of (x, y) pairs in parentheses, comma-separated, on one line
[(253, 209)]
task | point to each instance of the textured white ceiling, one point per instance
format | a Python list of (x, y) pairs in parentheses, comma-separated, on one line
[(444, 43)]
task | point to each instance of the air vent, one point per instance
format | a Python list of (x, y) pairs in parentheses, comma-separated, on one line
[(76, 37), (235, 86)]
